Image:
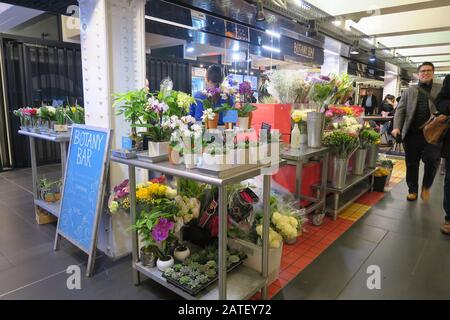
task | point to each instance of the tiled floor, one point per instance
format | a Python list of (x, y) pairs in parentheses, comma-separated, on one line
[(327, 262)]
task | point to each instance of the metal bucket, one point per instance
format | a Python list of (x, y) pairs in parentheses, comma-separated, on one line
[(315, 122), (360, 162), (338, 172), (372, 156)]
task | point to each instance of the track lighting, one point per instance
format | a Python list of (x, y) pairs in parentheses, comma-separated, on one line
[(260, 15)]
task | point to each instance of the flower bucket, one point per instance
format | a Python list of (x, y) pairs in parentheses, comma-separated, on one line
[(60, 128), (360, 162), (338, 172), (379, 183), (243, 123), (303, 138), (156, 149), (148, 258), (315, 121), (212, 124), (372, 156)]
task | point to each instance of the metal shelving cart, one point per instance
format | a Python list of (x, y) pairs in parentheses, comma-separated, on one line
[(355, 187), (241, 283), (63, 140), (299, 157)]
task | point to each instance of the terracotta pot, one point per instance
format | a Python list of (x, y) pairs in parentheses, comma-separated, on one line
[(212, 124)]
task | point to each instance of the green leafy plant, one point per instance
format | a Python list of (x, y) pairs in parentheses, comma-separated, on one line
[(75, 114), (60, 116), (246, 109), (191, 188), (131, 104), (368, 138)]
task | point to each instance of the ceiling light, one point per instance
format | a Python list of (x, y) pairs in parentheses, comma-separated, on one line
[(252, 73), (236, 46), (337, 23), (271, 49), (190, 48), (273, 33), (354, 48), (260, 15), (372, 57), (331, 52), (201, 66)]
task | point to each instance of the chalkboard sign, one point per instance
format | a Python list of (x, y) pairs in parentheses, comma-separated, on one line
[(84, 185)]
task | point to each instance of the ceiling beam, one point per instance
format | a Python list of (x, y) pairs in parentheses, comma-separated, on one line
[(356, 16), (409, 32), (428, 55), (418, 46)]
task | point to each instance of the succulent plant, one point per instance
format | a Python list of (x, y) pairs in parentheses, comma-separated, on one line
[(185, 270), (202, 278), (211, 273), (177, 275), (211, 264), (184, 280), (169, 272), (177, 267), (234, 258), (193, 283)]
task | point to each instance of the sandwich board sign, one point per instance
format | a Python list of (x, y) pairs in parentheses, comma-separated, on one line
[(83, 190)]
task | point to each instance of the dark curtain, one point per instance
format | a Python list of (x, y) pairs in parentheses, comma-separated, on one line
[(36, 73), (178, 70)]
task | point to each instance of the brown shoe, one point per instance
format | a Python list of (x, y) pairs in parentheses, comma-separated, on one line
[(425, 195), (445, 228), (412, 197)]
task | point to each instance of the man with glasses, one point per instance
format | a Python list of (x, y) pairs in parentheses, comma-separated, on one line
[(413, 111)]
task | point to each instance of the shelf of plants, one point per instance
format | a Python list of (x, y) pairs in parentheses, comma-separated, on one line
[(50, 124)]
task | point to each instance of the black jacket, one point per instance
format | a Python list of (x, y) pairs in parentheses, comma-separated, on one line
[(443, 105), (374, 102), (387, 107)]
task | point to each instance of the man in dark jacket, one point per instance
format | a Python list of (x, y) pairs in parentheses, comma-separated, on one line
[(413, 111), (443, 105), (369, 103)]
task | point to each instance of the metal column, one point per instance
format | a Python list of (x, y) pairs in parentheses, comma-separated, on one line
[(265, 237), (134, 234), (223, 224)]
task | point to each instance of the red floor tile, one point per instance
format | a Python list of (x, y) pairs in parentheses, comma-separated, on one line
[(294, 270), (311, 255), (370, 198), (290, 258), (286, 275)]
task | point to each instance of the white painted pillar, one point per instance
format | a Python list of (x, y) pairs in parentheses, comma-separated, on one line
[(391, 80), (112, 36), (333, 62)]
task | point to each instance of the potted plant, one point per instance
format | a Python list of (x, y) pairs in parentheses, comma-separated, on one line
[(131, 105), (75, 114), (60, 120), (246, 99), (181, 252), (45, 188), (48, 114), (342, 145), (388, 164)]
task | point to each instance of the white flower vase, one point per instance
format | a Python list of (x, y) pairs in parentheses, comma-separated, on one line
[(163, 265), (295, 137), (156, 149), (243, 123), (190, 160)]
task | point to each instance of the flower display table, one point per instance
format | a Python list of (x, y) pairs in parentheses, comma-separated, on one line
[(243, 282)]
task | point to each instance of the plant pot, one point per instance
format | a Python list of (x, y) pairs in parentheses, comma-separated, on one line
[(379, 183), (174, 156), (49, 197), (57, 196), (388, 178), (148, 258), (360, 162), (190, 160), (156, 149), (60, 128), (243, 123), (372, 156), (338, 172), (212, 124), (315, 123), (250, 117), (163, 265), (290, 240), (181, 253)]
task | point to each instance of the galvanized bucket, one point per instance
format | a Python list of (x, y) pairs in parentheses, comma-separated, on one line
[(360, 162), (372, 156), (315, 122), (339, 168)]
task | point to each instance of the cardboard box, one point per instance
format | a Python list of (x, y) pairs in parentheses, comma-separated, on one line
[(43, 217), (254, 259)]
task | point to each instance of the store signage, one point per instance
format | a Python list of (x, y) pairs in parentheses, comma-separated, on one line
[(237, 31), (304, 51), (84, 184)]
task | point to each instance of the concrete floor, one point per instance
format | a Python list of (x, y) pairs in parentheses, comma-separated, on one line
[(402, 238)]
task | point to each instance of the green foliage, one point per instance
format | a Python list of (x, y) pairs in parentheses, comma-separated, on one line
[(191, 188), (131, 104), (246, 109), (75, 114), (368, 137), (60, 116)]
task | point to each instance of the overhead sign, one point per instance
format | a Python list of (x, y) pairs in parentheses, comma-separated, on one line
[(303, 50), (84, 186)]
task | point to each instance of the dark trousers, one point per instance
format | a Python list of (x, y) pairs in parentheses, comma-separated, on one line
[(369, 111), (416, 148), (447, 190)]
